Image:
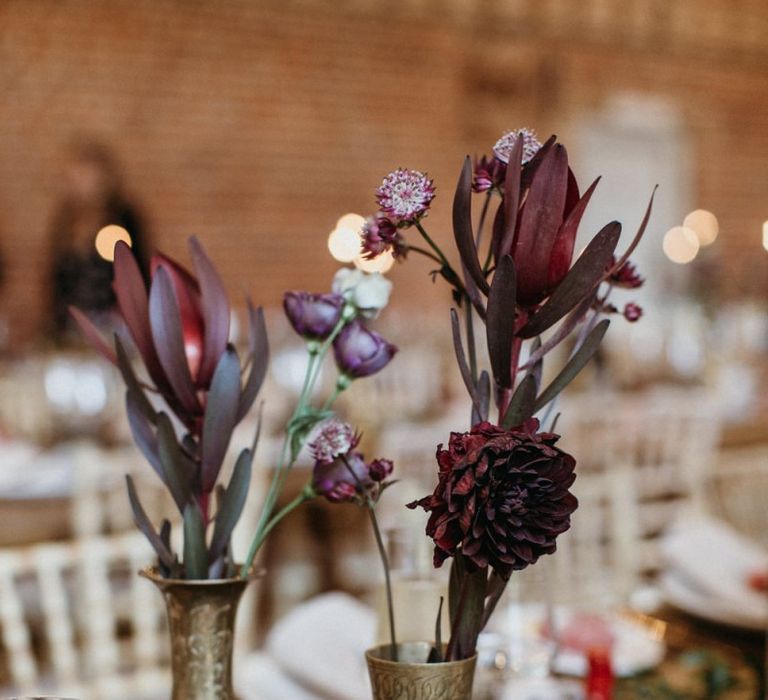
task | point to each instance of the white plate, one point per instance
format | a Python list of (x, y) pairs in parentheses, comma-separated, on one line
[(686, 597)]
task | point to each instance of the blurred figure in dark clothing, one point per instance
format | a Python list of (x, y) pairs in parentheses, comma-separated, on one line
[(93, 198)]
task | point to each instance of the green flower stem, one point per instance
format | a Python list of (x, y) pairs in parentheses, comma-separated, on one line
[(425, 253), (387, 580), (307, 494), (371, 506), (432, 245), (287, 454)]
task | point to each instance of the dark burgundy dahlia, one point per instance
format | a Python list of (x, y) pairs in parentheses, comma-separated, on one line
[(502, 497)]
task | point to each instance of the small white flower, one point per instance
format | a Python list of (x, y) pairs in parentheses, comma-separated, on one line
[(369, 292)]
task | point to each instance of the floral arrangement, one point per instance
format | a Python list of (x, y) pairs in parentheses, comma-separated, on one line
[(179, 328), (502, 496)]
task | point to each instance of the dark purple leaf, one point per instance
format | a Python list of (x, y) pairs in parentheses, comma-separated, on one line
[(462, 226), (511, 198), (220, 416), (521, 407), (461, 359), (636, 239), (496, 587), (484, 394), (143, 434), (562, 332), (540, 220), (131, 296), (574, 365), (132, 383), (258, 347), (144, 524), (92, 335), (585, 275), (500, 321), (531, 167), (195, 551), (216, 313), (562, 249), (231, 506), (169, 339), (178, 470), (537, 366)]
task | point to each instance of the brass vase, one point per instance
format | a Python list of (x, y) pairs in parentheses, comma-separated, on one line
[(201, 622), (412, 678)]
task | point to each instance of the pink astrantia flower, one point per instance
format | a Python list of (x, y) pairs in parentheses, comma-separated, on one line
[(504, 145), (335, 438), (379, 235), (405, 195)]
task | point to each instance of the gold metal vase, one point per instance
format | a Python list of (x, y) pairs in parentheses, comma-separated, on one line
[(201, 622), (412, 678)]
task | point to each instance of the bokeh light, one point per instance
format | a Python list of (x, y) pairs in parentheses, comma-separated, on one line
[(681, 244), (107, 238), (765, 235), (344, 240), (381, 263), (704, 224)]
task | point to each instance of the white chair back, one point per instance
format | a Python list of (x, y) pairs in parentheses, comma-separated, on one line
[(77, 620)]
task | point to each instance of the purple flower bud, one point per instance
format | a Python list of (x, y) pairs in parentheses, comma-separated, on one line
[(380, 469), (361, 352), (632, 312), (313, 316), (341, 480)]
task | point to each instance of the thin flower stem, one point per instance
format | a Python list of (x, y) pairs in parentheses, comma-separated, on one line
[(387, 579), (371, 506), (287, 454), (425, 253), (307, 493), (432, 244)]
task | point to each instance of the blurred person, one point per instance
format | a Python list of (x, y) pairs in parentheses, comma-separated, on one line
[(93, 198)]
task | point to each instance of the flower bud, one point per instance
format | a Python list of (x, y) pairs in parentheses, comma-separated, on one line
[(342, 479), (633, 312), (313, 316), (380, 469), (368, 292), (361, 352)]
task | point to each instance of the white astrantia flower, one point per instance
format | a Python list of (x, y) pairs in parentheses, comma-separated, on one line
[(368, 292)]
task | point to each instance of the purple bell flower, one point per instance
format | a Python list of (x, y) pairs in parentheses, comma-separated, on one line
[(313, 316), (336, 482), (361, 352)]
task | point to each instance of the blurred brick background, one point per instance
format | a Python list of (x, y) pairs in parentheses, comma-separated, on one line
[(257, 124)]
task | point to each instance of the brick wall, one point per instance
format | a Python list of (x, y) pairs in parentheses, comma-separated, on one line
[(256, 124)]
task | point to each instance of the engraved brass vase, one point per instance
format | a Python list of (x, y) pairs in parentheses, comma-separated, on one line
[(411, 678), (201, 622)]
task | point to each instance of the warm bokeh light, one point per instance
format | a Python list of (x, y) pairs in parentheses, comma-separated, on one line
[(381, 263), (765, 235), (107, 238), (344, 240), (681, 244), (704, 224)]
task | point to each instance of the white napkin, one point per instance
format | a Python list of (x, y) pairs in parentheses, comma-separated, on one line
[(318, 648), (714, 562)]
